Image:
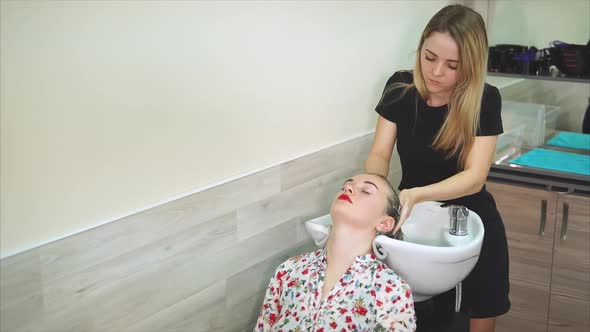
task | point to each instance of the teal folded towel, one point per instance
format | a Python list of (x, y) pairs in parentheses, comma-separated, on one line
[(566, 139), (555, 161)]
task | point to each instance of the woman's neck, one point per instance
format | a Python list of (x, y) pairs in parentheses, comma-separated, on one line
[(438, 99), (346, 244)]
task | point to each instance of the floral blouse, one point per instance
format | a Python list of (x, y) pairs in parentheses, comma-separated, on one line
[(368, 297)]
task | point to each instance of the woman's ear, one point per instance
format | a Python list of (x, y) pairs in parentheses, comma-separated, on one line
[(386, 224)]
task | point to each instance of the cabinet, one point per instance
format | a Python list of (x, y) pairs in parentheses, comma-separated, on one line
[(529, 218), (569, 308), (548, 240)]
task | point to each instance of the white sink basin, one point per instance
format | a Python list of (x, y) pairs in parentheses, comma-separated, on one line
[(429, 258)]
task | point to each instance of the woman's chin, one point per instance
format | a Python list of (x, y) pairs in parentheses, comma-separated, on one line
[(440, 90), (435, 89), (342, 213), (337, 211)]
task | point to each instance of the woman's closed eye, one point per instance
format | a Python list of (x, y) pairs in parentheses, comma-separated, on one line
[(433, 59), (367, 191), (363, 191)]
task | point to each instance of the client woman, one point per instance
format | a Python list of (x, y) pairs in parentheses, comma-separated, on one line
[(343, 287)]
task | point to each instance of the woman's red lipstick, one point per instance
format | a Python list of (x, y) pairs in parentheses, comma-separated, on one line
[(345, 197)]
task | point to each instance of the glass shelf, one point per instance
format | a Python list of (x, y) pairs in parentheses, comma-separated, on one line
[(546, 78)]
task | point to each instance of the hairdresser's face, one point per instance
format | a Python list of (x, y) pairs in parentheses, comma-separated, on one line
[(361, 201), (439, 58)]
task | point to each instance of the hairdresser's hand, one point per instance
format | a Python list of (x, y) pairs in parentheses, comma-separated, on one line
[(407, 199)]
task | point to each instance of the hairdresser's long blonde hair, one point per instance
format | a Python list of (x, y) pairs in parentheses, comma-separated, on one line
[(467, 28)]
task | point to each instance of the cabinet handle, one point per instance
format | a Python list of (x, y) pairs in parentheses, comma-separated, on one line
[(566, 210), (543, 217)]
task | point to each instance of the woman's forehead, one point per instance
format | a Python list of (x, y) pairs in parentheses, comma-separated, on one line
[(369, 178), (443, 45)]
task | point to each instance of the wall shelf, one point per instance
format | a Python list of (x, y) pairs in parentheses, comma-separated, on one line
[(545, 78)]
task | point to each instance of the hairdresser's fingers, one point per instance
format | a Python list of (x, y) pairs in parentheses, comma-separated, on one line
[(401, 210), (405, 211)]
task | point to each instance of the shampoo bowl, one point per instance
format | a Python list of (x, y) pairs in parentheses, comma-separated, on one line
[(429, 258)]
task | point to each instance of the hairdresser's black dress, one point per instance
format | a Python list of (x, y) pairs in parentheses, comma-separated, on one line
[(485, 290)]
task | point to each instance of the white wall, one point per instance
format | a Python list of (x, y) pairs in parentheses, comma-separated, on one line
[(111, 107), (538, 22)]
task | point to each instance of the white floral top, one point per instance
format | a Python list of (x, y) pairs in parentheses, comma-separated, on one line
[(368, 297)]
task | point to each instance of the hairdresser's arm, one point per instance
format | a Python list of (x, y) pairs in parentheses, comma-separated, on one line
[(467, 182), (382, 148)]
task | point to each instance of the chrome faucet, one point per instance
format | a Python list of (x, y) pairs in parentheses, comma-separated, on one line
[(458, 220)]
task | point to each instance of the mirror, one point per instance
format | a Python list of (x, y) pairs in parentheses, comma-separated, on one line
[(538, 23)]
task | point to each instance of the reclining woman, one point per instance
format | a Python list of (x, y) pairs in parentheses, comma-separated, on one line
[(343, 287)]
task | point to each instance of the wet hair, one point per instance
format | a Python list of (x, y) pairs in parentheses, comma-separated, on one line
[(392, 208)]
